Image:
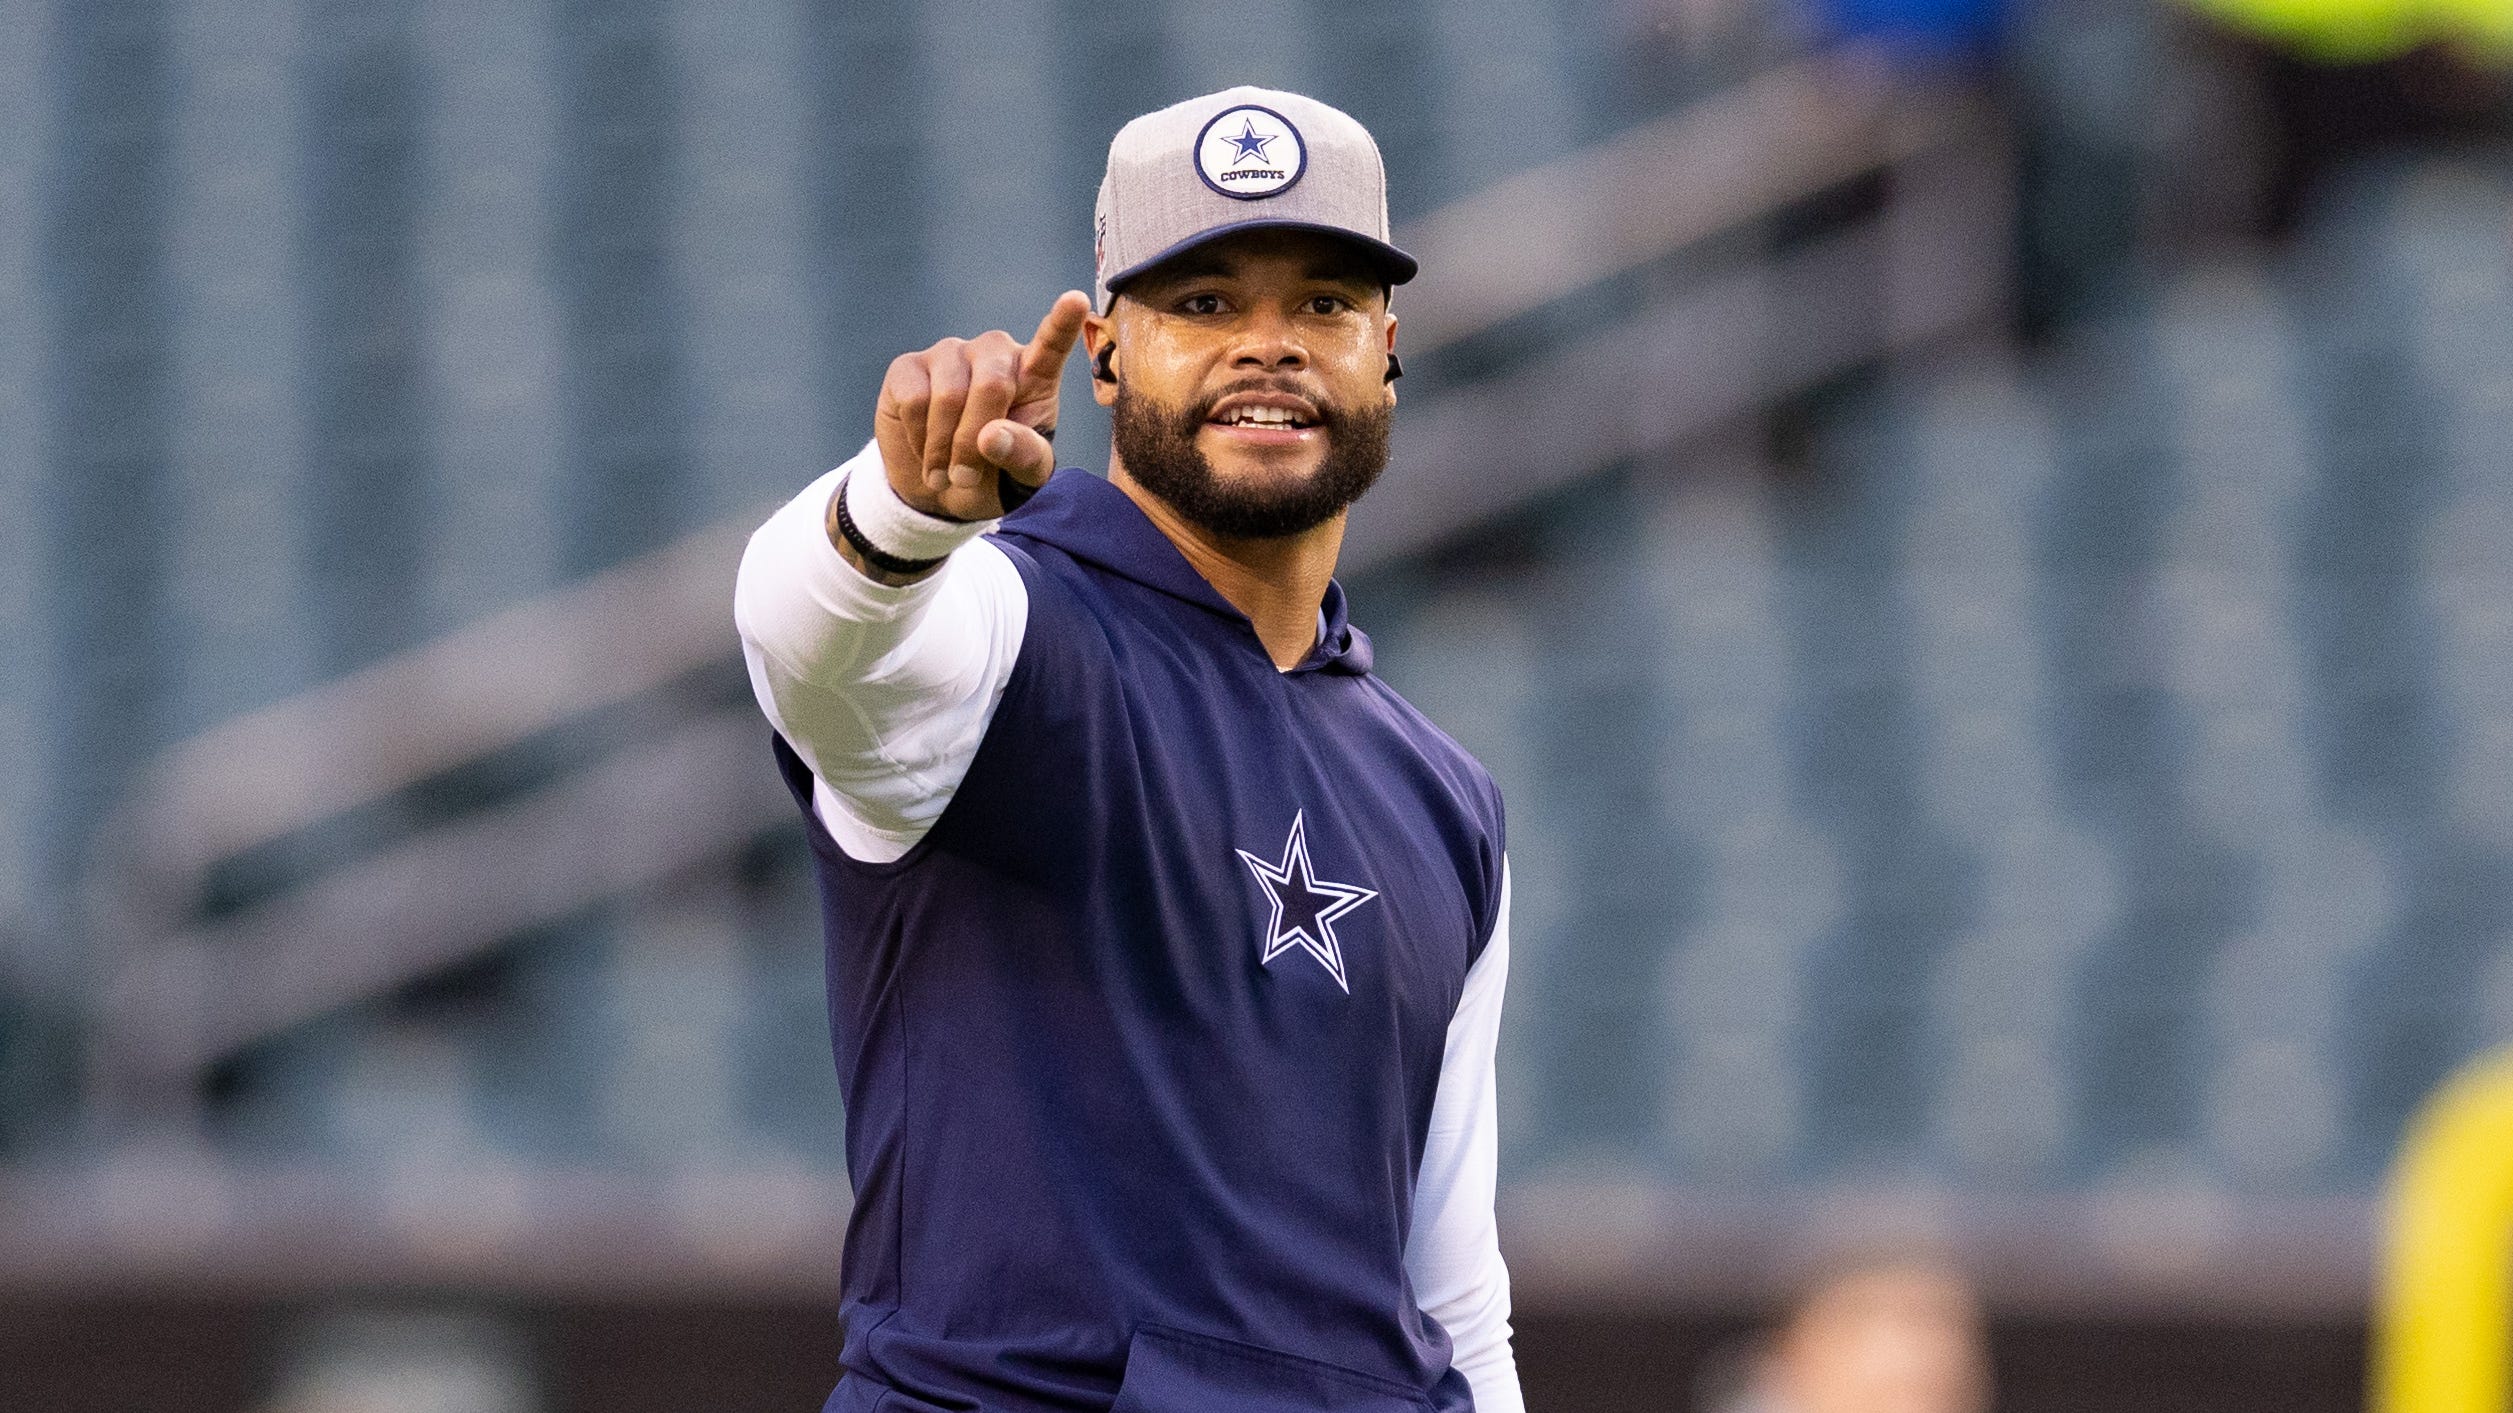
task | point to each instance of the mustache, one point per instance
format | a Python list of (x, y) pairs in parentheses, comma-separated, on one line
[(1328, 410)]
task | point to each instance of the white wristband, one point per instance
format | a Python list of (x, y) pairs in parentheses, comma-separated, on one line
[(897, 528)]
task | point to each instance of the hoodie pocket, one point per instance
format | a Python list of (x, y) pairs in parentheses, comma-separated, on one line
[(1175, 1371)]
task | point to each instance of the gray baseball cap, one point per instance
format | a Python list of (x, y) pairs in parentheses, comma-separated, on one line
[(1241, 159)]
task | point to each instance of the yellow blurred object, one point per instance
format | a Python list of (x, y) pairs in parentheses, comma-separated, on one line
[(2365, 31), (2443, 1332)]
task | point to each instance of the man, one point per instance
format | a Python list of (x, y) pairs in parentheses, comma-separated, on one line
[(1166, 944)]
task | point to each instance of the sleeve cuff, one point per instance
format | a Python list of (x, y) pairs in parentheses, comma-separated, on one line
[(893, 526)]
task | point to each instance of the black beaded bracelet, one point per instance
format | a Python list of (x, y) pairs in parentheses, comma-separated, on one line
[(873, 555)]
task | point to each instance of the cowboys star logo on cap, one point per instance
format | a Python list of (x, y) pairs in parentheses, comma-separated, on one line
[(1248, 152)]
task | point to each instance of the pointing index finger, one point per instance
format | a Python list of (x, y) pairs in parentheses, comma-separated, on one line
[(1044, 359)]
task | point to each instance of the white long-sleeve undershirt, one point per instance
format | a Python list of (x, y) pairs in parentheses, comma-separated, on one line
[(886, 691), (1454, 1252)]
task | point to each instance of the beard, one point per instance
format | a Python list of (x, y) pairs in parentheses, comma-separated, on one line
[(1157, 444)]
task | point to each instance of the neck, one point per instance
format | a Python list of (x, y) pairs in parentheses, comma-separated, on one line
[(1279, 581)]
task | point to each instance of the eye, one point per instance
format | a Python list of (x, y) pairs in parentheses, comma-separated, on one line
[(1201, 304), (1328, 304)]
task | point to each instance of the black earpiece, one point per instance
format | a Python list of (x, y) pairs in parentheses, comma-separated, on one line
[(1395, 368), (1103, 366)]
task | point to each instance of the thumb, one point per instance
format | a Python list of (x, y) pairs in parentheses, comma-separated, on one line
[(1020, 451)]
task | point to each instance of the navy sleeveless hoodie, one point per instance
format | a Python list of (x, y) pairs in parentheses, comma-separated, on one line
[(1138, 1044)]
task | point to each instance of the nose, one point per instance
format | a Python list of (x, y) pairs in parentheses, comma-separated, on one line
[(1268, 342)]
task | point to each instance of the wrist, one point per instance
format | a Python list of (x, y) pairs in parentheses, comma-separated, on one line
[(882, 532)]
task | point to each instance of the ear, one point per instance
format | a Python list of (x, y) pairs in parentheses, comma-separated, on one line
[(1099, 333), (1388, 385)]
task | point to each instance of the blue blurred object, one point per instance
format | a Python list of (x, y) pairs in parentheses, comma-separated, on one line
[(1918, 29)]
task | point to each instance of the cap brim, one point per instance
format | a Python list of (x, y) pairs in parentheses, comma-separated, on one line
[(1395, 266)]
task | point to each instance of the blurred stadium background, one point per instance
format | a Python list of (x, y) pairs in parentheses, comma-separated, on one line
[(1977, 538)]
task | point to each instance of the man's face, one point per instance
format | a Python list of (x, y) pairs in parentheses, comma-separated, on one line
[(1251, 390)]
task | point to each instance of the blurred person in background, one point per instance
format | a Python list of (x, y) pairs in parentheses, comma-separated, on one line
[(1895, 1334)]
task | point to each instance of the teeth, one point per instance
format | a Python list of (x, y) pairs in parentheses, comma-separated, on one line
[(1262, 417)]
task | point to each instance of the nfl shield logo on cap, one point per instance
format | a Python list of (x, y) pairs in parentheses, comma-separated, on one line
[(1241, 159)]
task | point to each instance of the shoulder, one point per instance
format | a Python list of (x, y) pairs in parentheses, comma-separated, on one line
[(1067, 606), (1070, 663), (1456, 766), (1469, 791)]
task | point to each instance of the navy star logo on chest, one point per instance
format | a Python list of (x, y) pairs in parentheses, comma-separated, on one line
[(1305, 906)]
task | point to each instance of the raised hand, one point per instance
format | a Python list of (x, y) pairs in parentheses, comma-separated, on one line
[(957, 416)]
